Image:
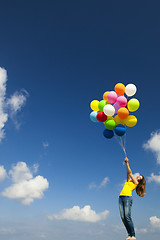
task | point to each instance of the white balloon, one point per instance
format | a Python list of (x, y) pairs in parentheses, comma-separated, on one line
[(130, 90), (109, 110)]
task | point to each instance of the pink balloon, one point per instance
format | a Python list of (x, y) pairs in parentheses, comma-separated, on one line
[(121, 101), (116, 107), (112, 97)]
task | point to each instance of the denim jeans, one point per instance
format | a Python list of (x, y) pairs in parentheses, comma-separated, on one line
[(125, 204)]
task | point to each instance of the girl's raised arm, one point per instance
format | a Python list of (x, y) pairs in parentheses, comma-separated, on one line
[(129, 172)]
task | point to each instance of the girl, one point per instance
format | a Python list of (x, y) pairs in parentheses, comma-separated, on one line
[(125, 199)]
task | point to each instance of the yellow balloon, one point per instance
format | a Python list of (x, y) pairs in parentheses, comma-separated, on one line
[(94, 105), (119, 120), (133, 104), (131, 121), (110, 117)]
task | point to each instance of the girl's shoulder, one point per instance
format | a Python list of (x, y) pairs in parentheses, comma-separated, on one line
[(130, 181)]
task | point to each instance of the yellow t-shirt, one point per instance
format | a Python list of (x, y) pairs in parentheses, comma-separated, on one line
[(128, 188)]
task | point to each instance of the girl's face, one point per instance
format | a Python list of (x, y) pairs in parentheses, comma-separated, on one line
[(139, 178)]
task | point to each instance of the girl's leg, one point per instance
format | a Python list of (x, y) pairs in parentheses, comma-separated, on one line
[(127, 216), (122, 212)]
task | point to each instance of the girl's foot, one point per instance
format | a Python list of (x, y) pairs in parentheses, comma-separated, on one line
[(128, 238)]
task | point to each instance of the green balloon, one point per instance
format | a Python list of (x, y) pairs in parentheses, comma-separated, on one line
[(110, 124), (102, 104)]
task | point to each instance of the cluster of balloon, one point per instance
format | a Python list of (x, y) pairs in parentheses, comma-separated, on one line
[(114, 110)]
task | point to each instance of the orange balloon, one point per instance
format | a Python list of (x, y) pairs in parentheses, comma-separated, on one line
[(119, 89), (105, 96), (123, 113)]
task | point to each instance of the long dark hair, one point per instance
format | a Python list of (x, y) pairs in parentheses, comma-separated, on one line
[(141, 187)]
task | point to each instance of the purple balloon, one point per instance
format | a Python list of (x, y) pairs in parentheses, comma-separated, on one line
[(116, 107)]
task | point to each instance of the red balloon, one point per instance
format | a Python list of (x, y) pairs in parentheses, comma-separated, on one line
[(101, 117)]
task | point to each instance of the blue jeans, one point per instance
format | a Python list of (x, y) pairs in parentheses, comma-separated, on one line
[(125, 204)]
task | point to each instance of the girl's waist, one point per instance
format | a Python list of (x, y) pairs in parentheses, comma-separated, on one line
[(123, 196)]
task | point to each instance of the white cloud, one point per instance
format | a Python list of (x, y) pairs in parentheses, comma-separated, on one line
[(25, 188), (85, 214), (120, 228), (3, 173), (155, 222), (141, 230), (15, 104), (104, 182), (92, 185), (20, 172), (9, 107), (153, 144), (154, 178), (17, 100), (101, 185)]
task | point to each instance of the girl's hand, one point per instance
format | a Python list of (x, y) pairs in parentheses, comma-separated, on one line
[(126, 160)]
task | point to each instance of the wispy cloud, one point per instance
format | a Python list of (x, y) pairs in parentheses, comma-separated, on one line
[(155, 222), (120, 228), (141, 230), (85, 214), (25, 188), (17, 100), (9, 107), (153, 144), (15, 104), (45, 145), (3, 173), (154, 178), (101, 185), (35, 167)]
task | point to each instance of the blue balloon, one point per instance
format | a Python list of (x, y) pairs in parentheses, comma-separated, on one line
[(120, 130), (108, 133), (93, 116)]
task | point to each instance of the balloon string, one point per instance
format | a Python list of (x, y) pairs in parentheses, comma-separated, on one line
[(125, 140), (123, 146), (120, 142)]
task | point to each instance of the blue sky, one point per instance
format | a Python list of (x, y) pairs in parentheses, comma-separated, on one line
[(58, 56)]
